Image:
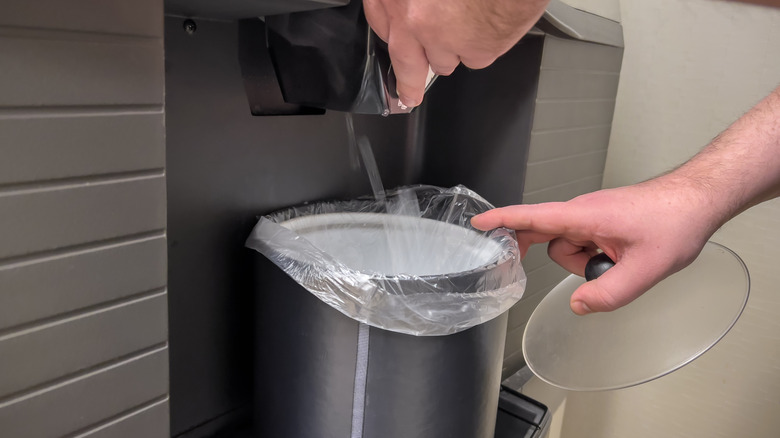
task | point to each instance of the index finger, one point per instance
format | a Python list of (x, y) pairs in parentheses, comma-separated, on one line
[(549, 218)]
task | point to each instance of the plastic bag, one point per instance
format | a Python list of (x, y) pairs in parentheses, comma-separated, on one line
[(330, 58), (410, 263)]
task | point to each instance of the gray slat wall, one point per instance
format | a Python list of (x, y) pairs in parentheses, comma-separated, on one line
[(572, 122), (83, 301)]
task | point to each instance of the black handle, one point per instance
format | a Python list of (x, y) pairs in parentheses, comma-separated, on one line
[(597, 265)]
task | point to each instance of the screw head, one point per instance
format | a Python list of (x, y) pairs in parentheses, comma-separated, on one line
[(189, 26)]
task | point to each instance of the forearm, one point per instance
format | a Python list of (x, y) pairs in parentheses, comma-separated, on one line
[(739, 169), (774, 3), (655, 228)]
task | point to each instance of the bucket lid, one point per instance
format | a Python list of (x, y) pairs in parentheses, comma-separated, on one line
[(667, 327)]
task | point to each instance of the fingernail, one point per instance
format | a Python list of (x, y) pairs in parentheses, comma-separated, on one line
[(580, 308), (405, 103)]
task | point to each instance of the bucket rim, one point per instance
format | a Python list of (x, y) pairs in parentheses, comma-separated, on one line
[(502, 239)]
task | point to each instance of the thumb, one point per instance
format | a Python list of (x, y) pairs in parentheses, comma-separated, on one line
[(617, 287)]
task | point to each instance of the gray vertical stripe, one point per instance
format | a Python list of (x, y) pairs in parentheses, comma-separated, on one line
[(361, 373)]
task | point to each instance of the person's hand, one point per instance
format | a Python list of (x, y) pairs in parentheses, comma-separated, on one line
[(650, 230), (443, 33), (658, 227)]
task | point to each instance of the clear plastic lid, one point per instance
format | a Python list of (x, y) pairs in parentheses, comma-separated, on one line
[(669, 326)]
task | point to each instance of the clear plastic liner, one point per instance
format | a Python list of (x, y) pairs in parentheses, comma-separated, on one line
[(410, 263)]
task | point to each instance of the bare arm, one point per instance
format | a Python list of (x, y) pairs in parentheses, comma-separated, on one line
[(775, 3), (742, 165), (657, 227)]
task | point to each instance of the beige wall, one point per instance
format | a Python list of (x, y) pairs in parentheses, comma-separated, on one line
[(690, 68)]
